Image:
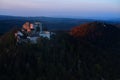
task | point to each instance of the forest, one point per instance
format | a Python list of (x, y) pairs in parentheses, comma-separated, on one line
[(64, 57)]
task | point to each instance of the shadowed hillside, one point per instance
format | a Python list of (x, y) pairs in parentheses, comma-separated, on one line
[(98, 33)]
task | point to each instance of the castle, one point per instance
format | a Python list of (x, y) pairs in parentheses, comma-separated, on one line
[(31, 32)]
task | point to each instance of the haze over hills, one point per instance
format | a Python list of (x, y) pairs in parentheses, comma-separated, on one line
[(8, 22)]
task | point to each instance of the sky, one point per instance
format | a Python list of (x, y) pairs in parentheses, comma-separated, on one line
[(100, 9)]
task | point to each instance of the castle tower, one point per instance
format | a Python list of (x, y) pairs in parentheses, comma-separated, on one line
[(38, 27)]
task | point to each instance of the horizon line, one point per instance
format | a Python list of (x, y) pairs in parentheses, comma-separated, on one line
[(90, 18)]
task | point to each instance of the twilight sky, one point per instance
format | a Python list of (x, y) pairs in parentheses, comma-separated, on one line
[(100, 9)]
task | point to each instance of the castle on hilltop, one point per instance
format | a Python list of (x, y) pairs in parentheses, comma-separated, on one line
[(31, 32)]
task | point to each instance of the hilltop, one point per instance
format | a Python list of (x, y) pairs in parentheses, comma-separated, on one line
[(98, 33), (95, 29)]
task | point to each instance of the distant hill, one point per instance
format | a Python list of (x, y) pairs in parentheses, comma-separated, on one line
[(51, 23), (8, 22)]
